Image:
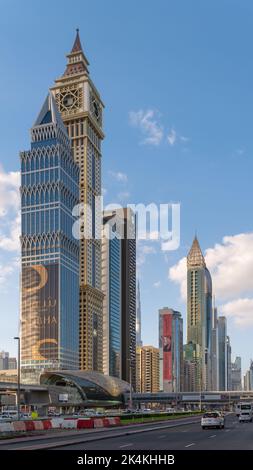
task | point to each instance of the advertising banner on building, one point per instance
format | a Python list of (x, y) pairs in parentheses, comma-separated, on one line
[(167, 348), (40, 313)]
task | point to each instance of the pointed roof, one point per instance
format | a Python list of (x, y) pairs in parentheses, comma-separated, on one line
[(77, 47), (49, 114), (195, 257)]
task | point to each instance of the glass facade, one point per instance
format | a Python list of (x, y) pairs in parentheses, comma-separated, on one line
[(50, 253)]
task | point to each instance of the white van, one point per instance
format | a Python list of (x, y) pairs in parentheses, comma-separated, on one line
[(245, 416)]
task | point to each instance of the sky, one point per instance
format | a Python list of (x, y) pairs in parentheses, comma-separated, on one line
[(177, 82)]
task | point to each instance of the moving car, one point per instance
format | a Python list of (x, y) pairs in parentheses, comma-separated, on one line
[(245, 416), (212, 419)]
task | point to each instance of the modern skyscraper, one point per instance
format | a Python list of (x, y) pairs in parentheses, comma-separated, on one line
[(147, 366), (222, 353), (214, 351), (81, 109), (236, 373), (128, 297), (170, 350), (49, 252), (229, 364), (4, 360), (199, 311), (247, 379), (138, 316), (111, 287)]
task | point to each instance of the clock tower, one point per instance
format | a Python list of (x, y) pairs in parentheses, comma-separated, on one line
[(81, 110)]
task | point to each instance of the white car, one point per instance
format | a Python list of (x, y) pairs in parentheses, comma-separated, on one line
[(245, 416), (212, 419)]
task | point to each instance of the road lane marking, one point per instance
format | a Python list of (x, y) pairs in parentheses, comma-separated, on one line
[(210, 437), (161, 437), (125, 445), (227, 430), (192, 444)]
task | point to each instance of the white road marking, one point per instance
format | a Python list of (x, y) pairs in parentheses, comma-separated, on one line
[(210, 437), (161, 437), (192, 444), (227, 430), (125, 445)]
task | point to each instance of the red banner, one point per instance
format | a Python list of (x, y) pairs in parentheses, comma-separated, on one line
[(167, 346)]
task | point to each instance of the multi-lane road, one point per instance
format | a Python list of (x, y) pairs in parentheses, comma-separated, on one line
[(184, 435)]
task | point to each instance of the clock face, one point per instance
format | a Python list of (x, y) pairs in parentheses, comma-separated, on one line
[(68, 100)]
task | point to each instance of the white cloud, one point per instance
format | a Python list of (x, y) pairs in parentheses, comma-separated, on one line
[(231, 267), (122, 196), (147, 122), (104, 191), (9, 210), (241, 310), (119, 176), (144, 250), (7, 268), (157, 284), (172, 137)]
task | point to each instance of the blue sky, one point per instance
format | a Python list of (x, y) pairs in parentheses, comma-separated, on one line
[(185, 72)]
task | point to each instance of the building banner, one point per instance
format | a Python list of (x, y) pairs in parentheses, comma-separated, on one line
[(40, 315)]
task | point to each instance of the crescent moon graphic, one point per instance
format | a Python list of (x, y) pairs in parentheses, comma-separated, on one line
[(42, 271), (36, 355)]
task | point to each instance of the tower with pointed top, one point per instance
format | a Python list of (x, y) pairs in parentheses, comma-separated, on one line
[(81, 109), (199, 314), (49, 252)]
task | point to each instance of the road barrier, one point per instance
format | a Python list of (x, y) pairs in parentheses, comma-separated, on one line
[(58, 423)]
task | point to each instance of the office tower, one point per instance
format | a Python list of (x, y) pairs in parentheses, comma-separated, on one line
[(247, 385), (138, 316), (128, 296), (111, 288), (214, 351), (12, 363), (192, 367), (199, 311), (236, 374), (49, 252), (147, 366), (222, 353), (229, 364), (81, 109), (4, 360), (170, 350)]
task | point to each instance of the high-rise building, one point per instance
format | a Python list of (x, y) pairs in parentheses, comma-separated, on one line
[(229, 364), (247, 384), (128, 295), (170, 350), (111, 287), (49, 252), (192, 367), (138, 316), (81, 109), (222, 353), (4, 360), (236, 374), (214, 351), (147, 366), (199, 311)]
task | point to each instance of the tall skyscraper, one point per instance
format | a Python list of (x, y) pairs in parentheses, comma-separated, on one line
[(147, 366), (236, 374), (229, 364), (111, 287), (4, 360), (199, 311), (128, 296), (222, 353), (49, 252), (138, 316), (214, 351), (170, 350), (81, 109)]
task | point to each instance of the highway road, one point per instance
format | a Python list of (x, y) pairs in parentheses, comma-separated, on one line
[(159, 436)]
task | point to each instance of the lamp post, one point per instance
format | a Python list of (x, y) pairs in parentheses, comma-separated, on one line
[(18, 397)]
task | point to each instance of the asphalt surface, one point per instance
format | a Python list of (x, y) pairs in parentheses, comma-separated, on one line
[(235, 436), (179, 436)]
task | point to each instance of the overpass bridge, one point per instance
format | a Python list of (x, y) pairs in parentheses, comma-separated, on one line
[(192, 398)]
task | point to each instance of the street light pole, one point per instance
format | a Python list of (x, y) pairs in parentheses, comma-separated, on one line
[(18, 396)]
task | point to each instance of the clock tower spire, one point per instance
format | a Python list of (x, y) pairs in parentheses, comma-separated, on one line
[(81, 109)]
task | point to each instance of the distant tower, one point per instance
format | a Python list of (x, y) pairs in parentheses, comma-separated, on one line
[(81, 109), (49, 252), (138, 316), (199, 312)]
